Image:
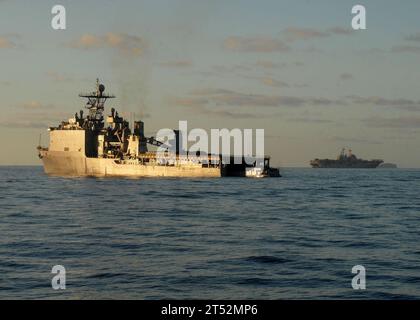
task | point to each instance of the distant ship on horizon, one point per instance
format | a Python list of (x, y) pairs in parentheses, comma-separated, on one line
[(344, 160)]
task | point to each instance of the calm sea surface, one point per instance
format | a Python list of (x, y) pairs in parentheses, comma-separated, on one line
[(294, 237)]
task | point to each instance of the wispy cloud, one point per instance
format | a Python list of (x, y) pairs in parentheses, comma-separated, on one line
[(309, 120), (6, 42), (413, 37), (402, 122), (340, 31), (229, 98), (255, 44), (274, 83), (199, 105), (403, 103), (346, 76), (347, 140), (406, 48), (189, 101), (218, 97), (124, 43), (35, 105), (266, 64), (58, 77), (177, 64), (248, 70), (34, 115), (295, 34), (228, 114)]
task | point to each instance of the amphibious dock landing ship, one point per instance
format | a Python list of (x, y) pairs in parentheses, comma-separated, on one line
[(91, 146), (348, 160)]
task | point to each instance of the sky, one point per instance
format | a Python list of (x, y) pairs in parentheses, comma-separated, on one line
[(294, 68)]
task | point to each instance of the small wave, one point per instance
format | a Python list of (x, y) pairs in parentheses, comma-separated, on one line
[(106, 275), (267, 259), (255, 281)]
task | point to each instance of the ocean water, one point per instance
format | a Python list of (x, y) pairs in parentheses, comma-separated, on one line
[(295, 237)]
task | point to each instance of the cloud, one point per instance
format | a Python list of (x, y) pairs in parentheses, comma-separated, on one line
[(200, 106), (231, 69), (229, 114), (34, 118), (245, 99), (405, 48), (211, 91), (413, 37), (274, 83), (295, 34), (346, 76), (379, 101), (323, 102), (189, 102), (340, 31), (265, 64), (34, 105), (402, 122), (6, 43), (268, 64), (124, 43), (355, 140), (87, 41), (58, 77), (33, 114), (255, 44), (309, 120), (312, 49), (247, 70), (219, 97), (177, 64), (229, 98), (23, 124)]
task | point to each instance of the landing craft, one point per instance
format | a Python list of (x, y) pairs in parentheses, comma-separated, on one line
[(91, 146)]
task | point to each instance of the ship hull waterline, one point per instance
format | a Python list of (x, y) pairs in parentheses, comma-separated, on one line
[(61, 163)]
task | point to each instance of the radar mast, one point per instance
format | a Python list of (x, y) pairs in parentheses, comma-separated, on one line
[(96, 102)]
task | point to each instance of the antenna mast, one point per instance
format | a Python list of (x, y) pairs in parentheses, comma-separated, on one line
[(96, 102)]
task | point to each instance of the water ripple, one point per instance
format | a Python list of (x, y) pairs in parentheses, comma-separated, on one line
[(295, 237)]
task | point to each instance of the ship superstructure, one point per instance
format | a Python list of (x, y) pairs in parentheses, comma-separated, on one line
[(106, 146)]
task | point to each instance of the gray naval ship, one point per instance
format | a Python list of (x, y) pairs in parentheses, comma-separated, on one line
[(344, 160), (91, 146)]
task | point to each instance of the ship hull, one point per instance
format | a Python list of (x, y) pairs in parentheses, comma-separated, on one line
[(63, 163)]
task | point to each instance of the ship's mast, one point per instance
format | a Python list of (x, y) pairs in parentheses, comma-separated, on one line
[(96, 102)]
